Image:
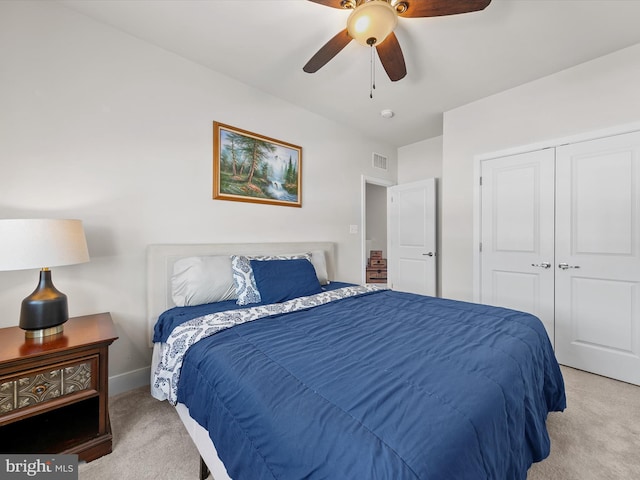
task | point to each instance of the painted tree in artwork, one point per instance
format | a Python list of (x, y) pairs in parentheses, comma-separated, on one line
[(234, 147), (291, 176), (265, 171), (257, 151)]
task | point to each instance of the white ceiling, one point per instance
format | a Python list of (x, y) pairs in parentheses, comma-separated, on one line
[(450, 60)]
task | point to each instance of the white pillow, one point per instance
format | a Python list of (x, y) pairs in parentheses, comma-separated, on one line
[(200, 280), (320, 264)]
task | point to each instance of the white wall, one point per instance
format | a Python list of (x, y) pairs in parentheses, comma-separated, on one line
[(595, 95), (100, 126), (420, 160)]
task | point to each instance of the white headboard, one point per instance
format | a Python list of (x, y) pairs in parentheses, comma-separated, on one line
[(160, 260)]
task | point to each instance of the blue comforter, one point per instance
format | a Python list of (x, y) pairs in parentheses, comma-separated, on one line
[(386, 385)]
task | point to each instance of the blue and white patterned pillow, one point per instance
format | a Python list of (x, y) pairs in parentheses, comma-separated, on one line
[(243, 279), (246, 288)]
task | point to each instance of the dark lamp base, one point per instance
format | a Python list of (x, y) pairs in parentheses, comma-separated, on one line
[(44, 310)]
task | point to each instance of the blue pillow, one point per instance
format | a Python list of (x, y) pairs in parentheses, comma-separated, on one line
[(282, 280)]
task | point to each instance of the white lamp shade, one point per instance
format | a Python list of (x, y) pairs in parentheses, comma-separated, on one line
[(375, 20), (41, 243)]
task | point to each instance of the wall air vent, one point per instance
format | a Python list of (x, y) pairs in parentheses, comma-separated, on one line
[(379, 161)]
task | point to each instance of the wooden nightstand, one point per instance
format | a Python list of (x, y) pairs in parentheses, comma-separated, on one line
[(54, 391)]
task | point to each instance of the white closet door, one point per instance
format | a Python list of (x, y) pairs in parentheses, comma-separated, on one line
[(517, 221), (412, 237), (598, 256)]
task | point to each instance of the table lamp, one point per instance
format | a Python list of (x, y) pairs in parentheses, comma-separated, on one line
[(42, 243)]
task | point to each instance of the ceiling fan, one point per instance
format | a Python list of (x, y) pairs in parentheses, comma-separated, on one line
[(372, 23)]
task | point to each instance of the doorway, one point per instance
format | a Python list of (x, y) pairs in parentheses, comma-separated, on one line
[(374, 224)]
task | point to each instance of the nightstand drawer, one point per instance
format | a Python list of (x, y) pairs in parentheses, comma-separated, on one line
[(39, 386)]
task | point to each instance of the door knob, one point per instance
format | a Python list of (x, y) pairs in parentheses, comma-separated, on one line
[(429, 254), (565, 266), (541, 265)]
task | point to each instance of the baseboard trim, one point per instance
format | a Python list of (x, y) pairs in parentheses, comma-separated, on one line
[(129, 380)]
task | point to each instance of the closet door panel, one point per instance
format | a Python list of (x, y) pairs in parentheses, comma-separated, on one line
[(598, 256), (517, 222)]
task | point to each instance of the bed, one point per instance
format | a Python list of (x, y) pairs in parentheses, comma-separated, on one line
[(319, 379)]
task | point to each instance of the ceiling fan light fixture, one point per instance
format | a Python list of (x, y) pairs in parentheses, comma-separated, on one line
[(371, 22)]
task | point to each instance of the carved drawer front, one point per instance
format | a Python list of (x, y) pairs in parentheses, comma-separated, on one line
[(38, 386)]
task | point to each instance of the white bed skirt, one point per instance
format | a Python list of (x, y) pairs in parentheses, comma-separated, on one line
[(198, 434)]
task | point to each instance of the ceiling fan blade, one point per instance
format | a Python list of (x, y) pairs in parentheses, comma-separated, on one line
[(438, 8), (327, 52), (329, 3), (391, 57)]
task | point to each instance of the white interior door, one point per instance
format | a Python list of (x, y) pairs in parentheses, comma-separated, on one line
[(517, 222), (598, 256), (412, 237)]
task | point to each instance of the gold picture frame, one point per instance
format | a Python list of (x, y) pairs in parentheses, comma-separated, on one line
[(248, 167)]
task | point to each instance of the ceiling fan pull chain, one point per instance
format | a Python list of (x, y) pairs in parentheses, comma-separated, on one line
[(373, 72)]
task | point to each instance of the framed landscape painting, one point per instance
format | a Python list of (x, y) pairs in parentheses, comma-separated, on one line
[(248, 167)]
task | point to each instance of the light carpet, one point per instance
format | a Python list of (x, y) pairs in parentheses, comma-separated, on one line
[(596, 438)]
